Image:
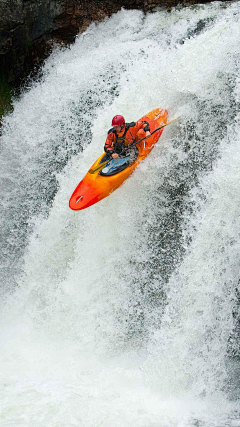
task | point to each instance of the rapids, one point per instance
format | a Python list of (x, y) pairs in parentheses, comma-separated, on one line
[(125, 314)]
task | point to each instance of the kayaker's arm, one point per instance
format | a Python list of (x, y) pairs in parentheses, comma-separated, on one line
[(143, 124), (108, 147)]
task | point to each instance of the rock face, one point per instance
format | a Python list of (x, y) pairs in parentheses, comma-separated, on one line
[(24, 24), (28, 26)]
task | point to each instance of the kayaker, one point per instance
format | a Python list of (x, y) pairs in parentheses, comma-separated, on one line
[(122, 135)]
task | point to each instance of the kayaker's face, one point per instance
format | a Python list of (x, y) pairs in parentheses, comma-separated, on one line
[(118, 128)]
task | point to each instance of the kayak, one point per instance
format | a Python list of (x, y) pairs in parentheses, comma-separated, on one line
[(96, 186), (100, 184)]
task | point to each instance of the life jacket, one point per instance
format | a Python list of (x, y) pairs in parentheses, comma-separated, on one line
[(120, 141), (117, 143)]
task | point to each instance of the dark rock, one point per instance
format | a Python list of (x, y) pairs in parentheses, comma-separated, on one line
[(27, 27), (24, 25)]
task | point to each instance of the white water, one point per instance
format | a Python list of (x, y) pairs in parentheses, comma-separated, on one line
[(121, 315)]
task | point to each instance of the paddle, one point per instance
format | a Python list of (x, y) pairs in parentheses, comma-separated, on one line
[(101, 165)]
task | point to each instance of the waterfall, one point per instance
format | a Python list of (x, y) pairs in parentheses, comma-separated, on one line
[(125, 314)]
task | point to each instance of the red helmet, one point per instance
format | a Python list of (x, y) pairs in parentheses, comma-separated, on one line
[(118, 120)]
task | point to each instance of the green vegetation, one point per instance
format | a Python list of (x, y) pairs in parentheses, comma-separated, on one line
[(5, 96), (29, 43)]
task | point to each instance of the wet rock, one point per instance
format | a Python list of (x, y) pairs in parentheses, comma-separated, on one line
[(28, 27), (24, 25)]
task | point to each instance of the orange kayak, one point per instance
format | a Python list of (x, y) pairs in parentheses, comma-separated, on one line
[(95, 186)]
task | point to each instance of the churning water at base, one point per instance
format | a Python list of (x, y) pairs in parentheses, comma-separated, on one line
[(126, 314)]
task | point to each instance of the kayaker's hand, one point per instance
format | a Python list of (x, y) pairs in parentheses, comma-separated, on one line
[(115, 156), (148, 134)]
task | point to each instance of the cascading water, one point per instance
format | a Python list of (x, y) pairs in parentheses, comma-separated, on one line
[(127, 313)]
